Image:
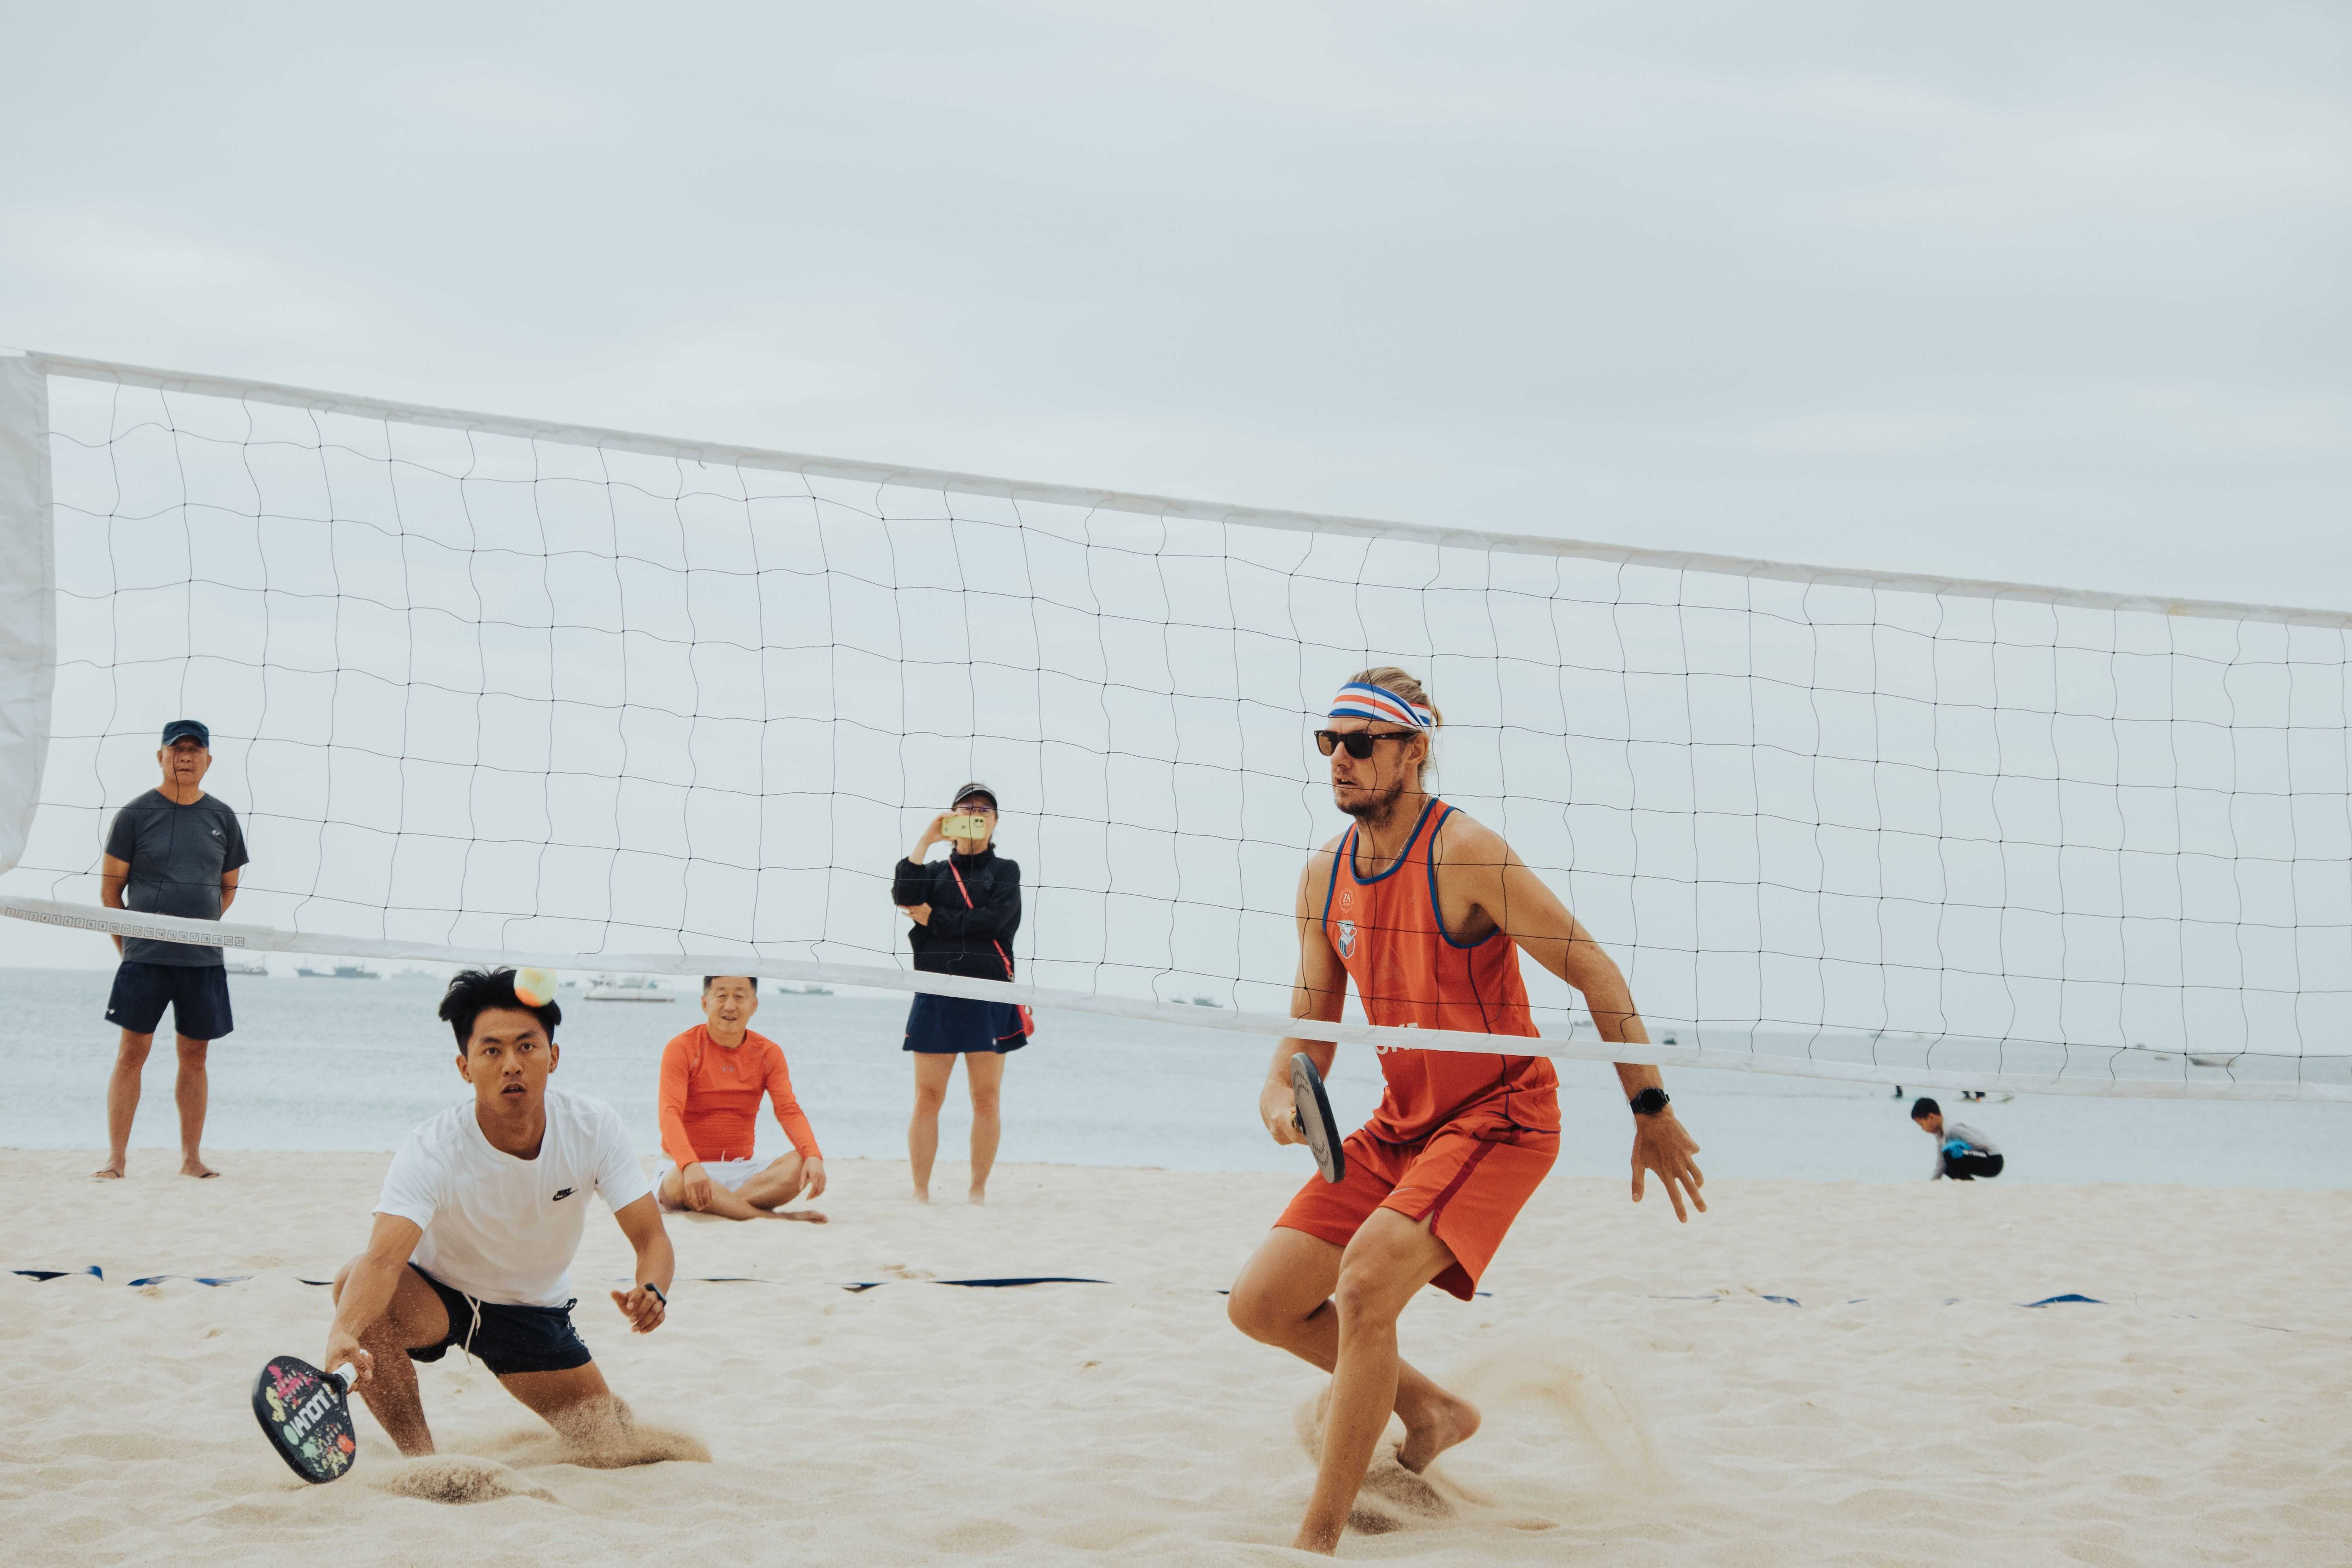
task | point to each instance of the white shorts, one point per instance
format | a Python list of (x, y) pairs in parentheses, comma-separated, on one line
[(729, 1173)]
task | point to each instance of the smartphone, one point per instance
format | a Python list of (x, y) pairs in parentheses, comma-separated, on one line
[(964, 827)]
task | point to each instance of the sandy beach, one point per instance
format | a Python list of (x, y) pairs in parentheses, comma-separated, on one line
[(1648, 1399)]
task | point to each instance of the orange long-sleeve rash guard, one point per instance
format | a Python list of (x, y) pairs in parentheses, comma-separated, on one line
[(710, 1097)]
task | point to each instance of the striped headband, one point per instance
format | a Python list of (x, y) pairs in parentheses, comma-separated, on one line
[(1361, 700)]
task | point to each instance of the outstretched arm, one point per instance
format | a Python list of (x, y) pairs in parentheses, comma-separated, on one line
[(1513, 897), (1319, 991), (367, 1292), (646, 1307)]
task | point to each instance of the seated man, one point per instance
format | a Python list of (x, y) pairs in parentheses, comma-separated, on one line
[(476, 1226), (711, 1079), (1963, 1153)]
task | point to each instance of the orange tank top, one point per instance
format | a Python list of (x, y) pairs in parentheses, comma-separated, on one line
[(1411, 973)]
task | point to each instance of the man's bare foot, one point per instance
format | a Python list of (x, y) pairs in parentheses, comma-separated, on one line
[(193, 1166), (109, 1172), (979, 1197), (814, 1216), (921, 1197), (1445, 1424)]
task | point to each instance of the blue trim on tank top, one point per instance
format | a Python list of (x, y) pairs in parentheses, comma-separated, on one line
[(1364, 882), (1437, 911), (1332, 886)]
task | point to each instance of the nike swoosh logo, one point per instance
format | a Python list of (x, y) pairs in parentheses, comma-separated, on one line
[(564, 1194)]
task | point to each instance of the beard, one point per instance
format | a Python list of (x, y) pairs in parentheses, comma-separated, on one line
[(1370, 806)]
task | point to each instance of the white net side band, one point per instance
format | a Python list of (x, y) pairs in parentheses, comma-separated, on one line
[(486, 688)]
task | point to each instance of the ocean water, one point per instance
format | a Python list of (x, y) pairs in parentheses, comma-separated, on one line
[(353, 1064)]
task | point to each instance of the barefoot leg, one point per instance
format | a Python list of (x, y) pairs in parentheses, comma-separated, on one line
[(122, 1100), (1283, 1298), (777, 1186), (1390, 1258), (415, 1318), (932, 1070), (576, 1402), (984, 1074), (193, 1092)]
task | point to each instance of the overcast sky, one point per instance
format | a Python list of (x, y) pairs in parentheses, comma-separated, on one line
[(2024, 290)]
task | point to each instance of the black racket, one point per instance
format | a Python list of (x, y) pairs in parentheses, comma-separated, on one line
[(307, 1417), (1312, 1115)]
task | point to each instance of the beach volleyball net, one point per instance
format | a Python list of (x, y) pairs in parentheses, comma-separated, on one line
[(489, 688)]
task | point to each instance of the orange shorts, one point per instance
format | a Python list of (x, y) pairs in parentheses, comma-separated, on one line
[(1469, 1179)]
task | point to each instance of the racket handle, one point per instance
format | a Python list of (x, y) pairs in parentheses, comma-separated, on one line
[(342, 1385)]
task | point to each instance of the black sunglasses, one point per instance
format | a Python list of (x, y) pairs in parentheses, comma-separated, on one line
[(1358, 741)]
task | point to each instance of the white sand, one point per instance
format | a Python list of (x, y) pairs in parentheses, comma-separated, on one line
[(2203, 1414)]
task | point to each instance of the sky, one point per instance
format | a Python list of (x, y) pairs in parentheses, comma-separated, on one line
[(2050, 293), (2043, 293)]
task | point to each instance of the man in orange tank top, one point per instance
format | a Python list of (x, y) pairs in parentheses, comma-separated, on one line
[(1426, 911)]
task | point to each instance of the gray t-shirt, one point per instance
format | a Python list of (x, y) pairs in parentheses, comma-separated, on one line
[(178, 855)]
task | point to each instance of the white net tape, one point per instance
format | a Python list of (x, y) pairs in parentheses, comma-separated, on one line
[(484, 688)]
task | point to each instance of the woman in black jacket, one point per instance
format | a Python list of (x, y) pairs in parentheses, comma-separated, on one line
[(965, 910)]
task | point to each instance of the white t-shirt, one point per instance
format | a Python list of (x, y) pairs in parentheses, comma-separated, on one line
[(502, 1230)]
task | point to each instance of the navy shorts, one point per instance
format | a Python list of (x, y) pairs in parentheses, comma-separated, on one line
[(506, 1338), (949, 1025), (197, 995)]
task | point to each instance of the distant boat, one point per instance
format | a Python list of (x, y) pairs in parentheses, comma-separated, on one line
[(628, 988), (2205, 1059), (245, 967), (810, 989), (340, 972)]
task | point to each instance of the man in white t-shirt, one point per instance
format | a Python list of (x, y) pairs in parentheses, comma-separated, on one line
[(477, 1226)]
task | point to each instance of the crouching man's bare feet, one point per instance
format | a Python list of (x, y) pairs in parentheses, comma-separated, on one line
[(814, 1216), (1430, 1432)]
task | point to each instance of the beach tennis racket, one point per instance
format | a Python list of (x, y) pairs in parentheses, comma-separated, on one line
[(1311, 1113), (307, 1417)]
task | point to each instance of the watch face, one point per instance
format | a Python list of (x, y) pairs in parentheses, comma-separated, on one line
[(1650, 1101)]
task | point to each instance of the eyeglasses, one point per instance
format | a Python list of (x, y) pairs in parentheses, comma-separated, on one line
[(1358, 741)]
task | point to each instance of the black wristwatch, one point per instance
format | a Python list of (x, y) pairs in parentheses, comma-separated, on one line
[(1650, 1101)]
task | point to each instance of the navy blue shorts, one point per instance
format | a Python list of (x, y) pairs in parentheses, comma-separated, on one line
[(508, 1339), (197, 995), (948, 1025)]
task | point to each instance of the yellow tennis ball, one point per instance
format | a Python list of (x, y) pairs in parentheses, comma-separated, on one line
[(534, 988)]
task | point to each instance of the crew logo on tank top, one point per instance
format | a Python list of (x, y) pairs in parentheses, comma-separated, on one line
[(1411, 973)]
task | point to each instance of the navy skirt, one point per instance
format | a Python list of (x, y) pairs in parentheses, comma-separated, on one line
[(949, 1025)]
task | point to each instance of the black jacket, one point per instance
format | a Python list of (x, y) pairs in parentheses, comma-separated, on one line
[(961, 939)]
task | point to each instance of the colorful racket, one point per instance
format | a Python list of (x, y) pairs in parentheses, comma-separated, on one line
[(307, 1417), (1312, 1117)]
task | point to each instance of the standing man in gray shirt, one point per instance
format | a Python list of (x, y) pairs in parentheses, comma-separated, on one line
[(175, 850)]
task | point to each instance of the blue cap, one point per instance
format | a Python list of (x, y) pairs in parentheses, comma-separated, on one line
[(186, 730)]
